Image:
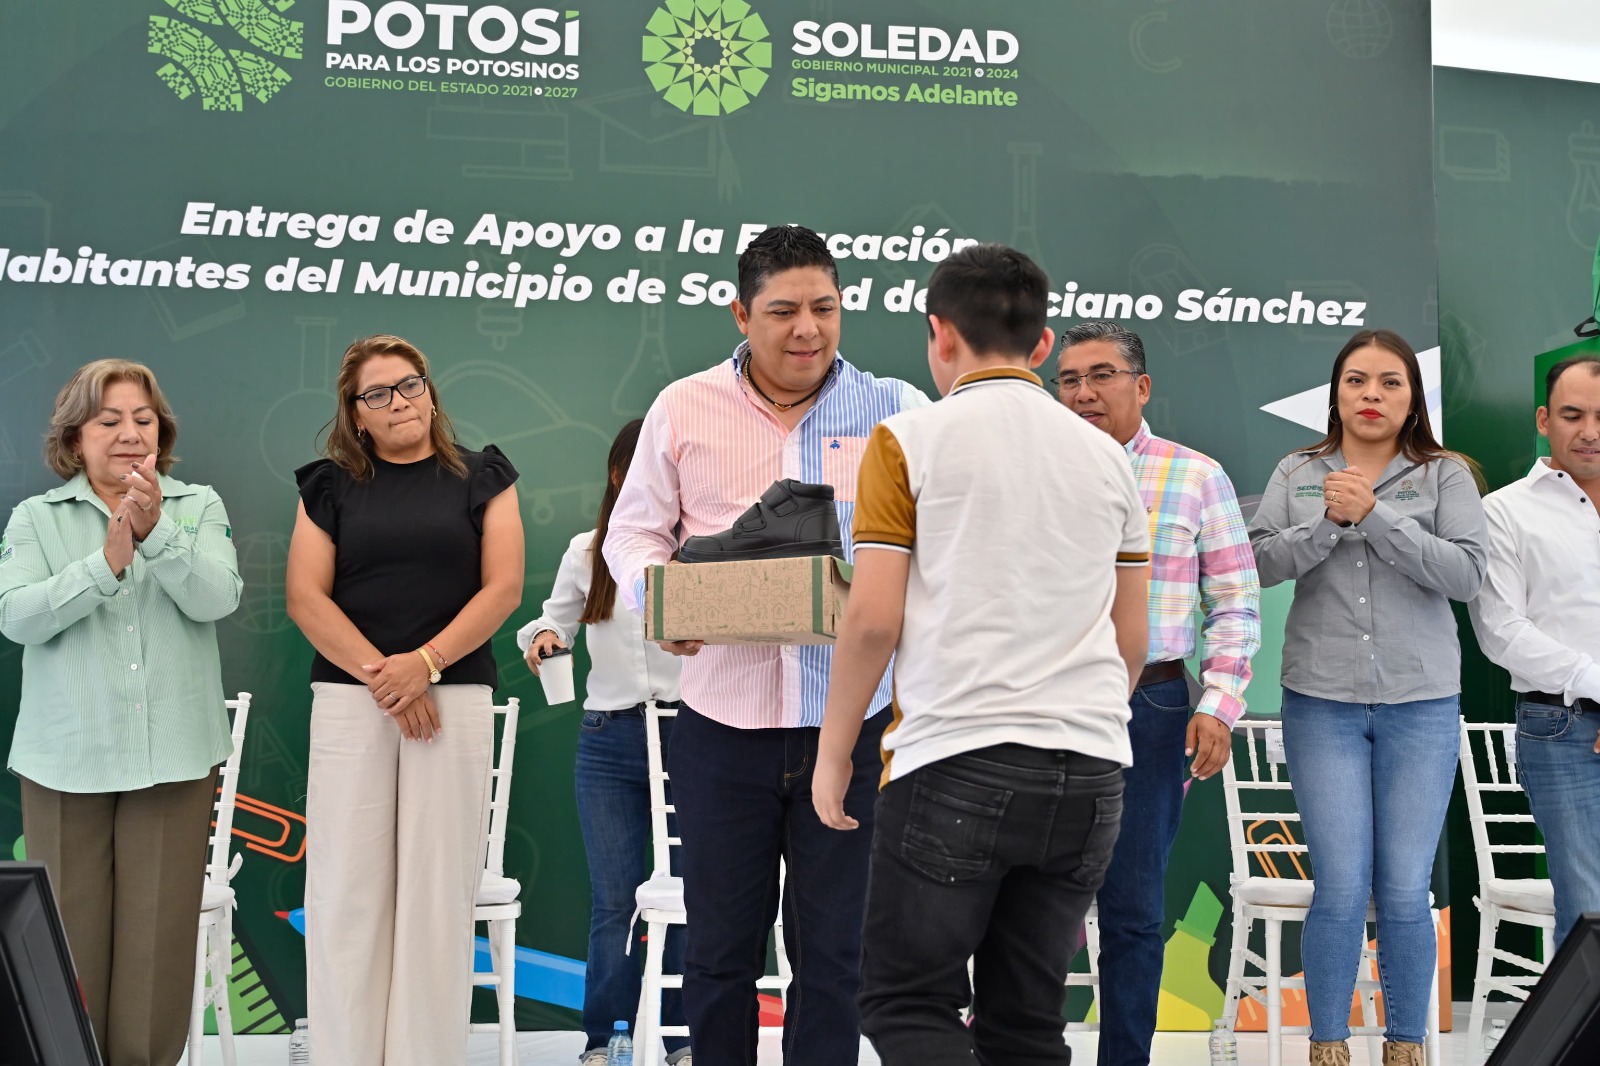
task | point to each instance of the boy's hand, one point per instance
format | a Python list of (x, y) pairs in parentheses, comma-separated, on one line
[(828, 784)]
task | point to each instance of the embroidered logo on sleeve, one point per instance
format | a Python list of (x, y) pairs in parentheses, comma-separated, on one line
[(7, 550), (227, 531)]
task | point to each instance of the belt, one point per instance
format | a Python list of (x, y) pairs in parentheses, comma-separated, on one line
[(1155, 673), (638, 708), (1550, 699)]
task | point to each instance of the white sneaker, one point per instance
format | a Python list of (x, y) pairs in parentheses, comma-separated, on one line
[(593, 1057)]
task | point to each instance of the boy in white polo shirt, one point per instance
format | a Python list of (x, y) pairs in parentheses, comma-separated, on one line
[(1002, 555)]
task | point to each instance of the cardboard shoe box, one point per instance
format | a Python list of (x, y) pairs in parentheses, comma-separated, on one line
[(758, 601)]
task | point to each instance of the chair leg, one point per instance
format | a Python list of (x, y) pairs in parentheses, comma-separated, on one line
[(1274, 992), (505, 967), (1091, 939), (197, 1001), (1369, 1016), (1235, 984), (222, 982), (1432, 1052), (648, 1049), (1488, 932)]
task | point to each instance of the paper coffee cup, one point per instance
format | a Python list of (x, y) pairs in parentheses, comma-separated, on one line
[(555, 674)]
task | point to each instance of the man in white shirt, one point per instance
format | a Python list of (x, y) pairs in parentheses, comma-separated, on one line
[(1539, 617)]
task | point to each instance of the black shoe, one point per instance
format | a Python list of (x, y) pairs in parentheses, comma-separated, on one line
[(791, 519)]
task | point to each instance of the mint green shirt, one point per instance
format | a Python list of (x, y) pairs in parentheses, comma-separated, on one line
[(121, 680)]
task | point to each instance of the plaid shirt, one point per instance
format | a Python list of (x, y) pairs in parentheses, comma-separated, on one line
[(1200, 554)]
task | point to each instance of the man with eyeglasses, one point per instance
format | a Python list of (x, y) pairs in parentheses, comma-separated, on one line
[(1200, 555)]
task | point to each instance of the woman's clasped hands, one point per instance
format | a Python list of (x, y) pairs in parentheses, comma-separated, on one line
[(399, 687), (1347, 495)]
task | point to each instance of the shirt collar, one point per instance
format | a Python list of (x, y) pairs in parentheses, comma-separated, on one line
[(1543, 471), (77, 487), (1137, 442), (1336, 461), (995, 373), (835, 369)]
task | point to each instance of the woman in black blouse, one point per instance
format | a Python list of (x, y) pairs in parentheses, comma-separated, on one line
[(406, 558)]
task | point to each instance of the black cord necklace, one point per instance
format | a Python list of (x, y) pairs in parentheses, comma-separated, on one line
[(782, 406)]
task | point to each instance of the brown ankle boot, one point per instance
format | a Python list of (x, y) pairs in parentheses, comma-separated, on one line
[(1402, 1054), (1332, 1053)]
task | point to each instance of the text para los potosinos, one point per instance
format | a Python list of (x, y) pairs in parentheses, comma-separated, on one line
[(519, 287)]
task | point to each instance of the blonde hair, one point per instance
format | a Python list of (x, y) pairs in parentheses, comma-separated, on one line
[(83, 397), (351, 451)]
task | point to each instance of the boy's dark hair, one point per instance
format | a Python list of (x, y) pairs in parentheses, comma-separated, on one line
[(777, 249), (1555, 372), (996, 297)]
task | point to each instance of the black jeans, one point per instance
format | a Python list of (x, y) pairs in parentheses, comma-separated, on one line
[(992, 855), (744, 799)]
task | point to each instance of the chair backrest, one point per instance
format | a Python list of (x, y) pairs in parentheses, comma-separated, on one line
[(661, 843), (219, 867), (1495, 799), (494, 860), (1262, 819)]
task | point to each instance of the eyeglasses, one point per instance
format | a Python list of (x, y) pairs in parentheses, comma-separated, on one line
[(1099, 379), (382, 396)]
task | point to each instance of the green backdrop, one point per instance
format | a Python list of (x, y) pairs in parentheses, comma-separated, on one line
[(1518, 175), (1174, 153)]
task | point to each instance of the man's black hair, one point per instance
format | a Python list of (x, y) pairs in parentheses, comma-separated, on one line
[(777, 249), (1565, 365), (996, 297)]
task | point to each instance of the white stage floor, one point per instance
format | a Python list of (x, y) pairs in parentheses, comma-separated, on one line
[(1171, 1049)]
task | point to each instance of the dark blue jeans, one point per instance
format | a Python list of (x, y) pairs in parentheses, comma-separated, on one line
[(1133, 898), (744, 800), (614, 815), (1560, 772), (993, 855)]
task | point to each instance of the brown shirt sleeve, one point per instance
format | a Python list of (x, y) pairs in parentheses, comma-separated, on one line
[(886, 512)]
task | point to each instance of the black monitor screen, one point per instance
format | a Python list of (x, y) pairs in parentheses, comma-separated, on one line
[(1560, 1023), (42, 1017)]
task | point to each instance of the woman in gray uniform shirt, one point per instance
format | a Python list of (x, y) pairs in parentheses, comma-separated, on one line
[(1380, 528)]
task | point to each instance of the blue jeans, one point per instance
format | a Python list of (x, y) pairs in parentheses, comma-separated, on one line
[(1561, 774), (1133, 898), (614, 816), (1372, 781), (744, 800)]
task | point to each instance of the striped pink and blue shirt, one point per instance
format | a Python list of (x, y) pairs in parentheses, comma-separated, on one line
[(1200, 556), (709, 448)]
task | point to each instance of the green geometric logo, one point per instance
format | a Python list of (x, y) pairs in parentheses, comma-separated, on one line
[(222, 77), (707, 57)]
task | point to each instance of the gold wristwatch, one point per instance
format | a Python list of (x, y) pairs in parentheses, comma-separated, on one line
[(433, 671)]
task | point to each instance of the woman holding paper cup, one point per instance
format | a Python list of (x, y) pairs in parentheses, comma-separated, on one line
[(405, 560), (1379, 527), (613, 781), (113, 582)]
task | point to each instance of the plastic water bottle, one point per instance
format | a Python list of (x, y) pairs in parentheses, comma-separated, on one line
[(300, 1044), (1224, 1048), (619, 1052), (1496, 1033)]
